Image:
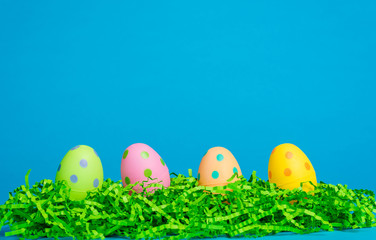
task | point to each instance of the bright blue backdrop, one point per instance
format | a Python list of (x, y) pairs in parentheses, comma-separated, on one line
[(183, 77)]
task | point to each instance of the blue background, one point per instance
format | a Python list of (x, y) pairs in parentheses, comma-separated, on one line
[(183, 77)]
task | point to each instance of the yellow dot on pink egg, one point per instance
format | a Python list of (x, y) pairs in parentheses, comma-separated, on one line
[(287, 172), (289, 155), (307, 165)]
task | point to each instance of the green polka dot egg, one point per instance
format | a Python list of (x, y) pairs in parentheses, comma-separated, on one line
[(216, 167), (83, 171), (139, 163)]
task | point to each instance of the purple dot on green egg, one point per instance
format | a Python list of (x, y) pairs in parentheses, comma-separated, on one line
[(83, 163), (73, 178), (74, 148), (59, 167), (96, 182), (95, 153)]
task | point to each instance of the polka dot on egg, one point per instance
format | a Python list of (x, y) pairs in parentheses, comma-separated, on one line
[(289, 155), (147, 172), (73, 178), (59, 167), (125, 154), (127, 180), (307, 166), (215, 174), (287, 172), (74, 148), (83, 163), (220, 157), (95, 153), (162, 162), (198, 177), (234, 170), (270, 174), (273, 151), (144, 155), (96, 183)]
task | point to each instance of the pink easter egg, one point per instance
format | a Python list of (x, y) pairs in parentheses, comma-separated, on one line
[(139, 162)]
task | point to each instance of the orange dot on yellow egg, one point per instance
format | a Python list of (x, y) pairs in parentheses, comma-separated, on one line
[(289, 155), (287, 172), (307, 166), (270, 174)]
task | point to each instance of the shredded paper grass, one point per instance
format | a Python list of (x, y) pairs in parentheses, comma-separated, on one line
[(246, 208)]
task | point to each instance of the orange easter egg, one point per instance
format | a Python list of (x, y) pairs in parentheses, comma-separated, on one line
[(289, 166), (216, 167)]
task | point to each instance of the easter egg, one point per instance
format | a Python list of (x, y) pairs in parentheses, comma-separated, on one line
[(216, 167), (83, 171), (140, 163), (289, 166)]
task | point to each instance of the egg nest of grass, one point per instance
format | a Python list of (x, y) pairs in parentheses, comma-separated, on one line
[(252, 208)]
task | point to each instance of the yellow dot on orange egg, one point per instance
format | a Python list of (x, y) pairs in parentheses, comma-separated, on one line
[(307, 165), (287, 172), (289, 155), (270, 174)]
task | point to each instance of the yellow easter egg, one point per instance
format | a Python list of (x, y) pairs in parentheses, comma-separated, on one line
[(289, 166), (216, 167)]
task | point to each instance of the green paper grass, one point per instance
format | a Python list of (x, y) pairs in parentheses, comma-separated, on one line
[(253, 208)]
